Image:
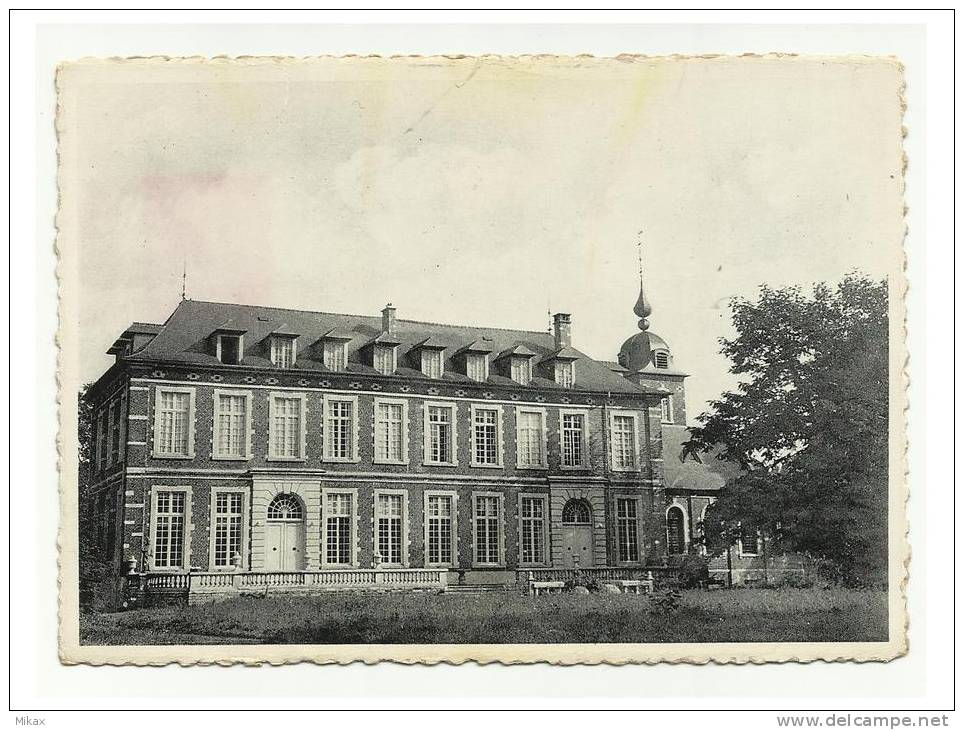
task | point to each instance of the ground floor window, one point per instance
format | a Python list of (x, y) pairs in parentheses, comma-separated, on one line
[(389, 511), (532, 529), (627, 531), (227, 525), (675, 531), (488, 521), (169, 522), (749, 543), (338, 513), (439, 514)]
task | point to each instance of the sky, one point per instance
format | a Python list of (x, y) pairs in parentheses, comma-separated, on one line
[(481, 191)]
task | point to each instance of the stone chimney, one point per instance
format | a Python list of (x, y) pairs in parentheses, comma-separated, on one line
[(388, 319), (561, 324)]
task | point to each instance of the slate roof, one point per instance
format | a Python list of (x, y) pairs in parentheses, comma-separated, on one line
[(185, 339), (700, 472)]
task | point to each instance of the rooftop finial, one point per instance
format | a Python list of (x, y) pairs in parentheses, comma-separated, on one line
[(642, 308), (184, 281)]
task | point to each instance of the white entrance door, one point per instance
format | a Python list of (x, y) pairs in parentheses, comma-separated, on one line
[(284, 534), (577, 546), (284, 546)]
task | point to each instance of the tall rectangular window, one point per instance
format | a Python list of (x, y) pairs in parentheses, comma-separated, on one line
[(389, 511), (666, 408), (339, 430), (477, 366), (285, 436), (439, 515), (521, 370), (231, 425), (627, 531), (624, 442), (389, 432), (172, 423), (227, 528), (749, 543), (169, 518), (338, 515), (532, 530), (282, 352), (485, 429), (530, 435), (488, 520), (114, 425), (573, 427), (565, 373), (432, 363), (439, 443), (335, 355), (384, 359)]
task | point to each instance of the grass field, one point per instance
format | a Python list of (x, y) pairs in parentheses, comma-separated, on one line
[(786, 614)]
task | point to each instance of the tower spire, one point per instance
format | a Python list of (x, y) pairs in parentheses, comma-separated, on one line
[(643, 308)]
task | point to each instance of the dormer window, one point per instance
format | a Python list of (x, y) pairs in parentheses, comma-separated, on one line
[(335, 355), (283, 352), (477, 366), (432, 363), (661, 359), (384, 359), (521, 370), (565, 374), (229, 349)]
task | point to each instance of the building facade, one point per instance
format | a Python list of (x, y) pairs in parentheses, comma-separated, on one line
[(235, 438)]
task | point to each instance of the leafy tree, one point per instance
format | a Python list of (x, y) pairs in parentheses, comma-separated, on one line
[(808, 422), (92, 566)]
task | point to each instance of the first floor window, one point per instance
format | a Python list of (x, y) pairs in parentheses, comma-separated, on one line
[(532, 515), (488, 519), (286, 428), (440, 435), (529, 432), (115, 429), (227, 528), (169, 513), (439, 513), (749, 542), (232, 428), (388, 519), (339, 424), (623, 437), (389, 432), (627, 531), (666, 408), (172, 423), (572, 432), (485, 423), (338, 512)]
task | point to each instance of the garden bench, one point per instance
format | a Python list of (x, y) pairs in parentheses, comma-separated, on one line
[(635, 586), (537, 587)]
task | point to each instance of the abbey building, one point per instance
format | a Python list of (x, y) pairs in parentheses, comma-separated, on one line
[(331, 450)]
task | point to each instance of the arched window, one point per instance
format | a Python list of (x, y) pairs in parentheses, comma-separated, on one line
[(675, 531), (576, 512), (661, 359), (285, 507)]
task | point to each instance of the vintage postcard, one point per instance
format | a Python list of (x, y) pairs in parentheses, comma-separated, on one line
[(500, 359)]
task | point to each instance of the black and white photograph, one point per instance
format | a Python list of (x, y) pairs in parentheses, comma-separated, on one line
[(561, 359)]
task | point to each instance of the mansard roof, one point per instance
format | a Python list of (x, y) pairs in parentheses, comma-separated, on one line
[(184, 339)]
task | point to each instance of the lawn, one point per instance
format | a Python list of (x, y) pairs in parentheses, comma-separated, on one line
[(786, 614)]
